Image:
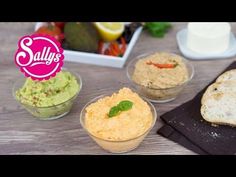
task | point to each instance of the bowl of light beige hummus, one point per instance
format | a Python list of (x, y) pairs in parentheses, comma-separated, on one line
[(160, 76), (119, 131)]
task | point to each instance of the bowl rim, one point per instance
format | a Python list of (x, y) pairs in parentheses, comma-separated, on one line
[(141, 56), (117, 141), (77, 76)]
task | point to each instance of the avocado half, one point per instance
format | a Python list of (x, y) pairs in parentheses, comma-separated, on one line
[(81, 36)]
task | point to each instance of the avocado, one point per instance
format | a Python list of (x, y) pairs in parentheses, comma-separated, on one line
[(81, 36)]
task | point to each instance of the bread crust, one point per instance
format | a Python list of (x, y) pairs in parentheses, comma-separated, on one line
[(219, 87), (216, 102), (228, 75), (219, 100)]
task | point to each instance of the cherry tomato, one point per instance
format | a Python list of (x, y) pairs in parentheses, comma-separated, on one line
[(59, 24), (51, 30)]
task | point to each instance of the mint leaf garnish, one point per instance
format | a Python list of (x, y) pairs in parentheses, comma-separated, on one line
[(122, 106), (114, 111), (125, 105)]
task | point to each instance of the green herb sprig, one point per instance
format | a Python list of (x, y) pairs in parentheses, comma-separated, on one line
[(157, 29), (122, 106)]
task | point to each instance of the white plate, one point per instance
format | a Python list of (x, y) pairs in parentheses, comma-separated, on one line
[(98, 59), (181, 40)]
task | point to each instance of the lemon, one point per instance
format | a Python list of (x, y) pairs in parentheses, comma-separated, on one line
[(110, 31)]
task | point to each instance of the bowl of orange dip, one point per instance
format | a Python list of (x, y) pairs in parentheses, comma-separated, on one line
[(118, 122)]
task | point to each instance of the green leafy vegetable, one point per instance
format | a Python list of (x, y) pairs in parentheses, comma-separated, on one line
[(122, 106), (125, 105), (114, 111), (157, 29)]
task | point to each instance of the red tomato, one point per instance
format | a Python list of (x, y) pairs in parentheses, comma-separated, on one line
[(51, 30), (59, 24)]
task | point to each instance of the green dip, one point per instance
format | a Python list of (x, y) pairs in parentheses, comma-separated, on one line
[(52, 92)]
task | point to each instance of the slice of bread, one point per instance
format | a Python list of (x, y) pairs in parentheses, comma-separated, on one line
[(220, 108), (219, 87), (228, 75)]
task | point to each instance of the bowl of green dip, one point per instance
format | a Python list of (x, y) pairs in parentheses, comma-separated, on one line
[(48, 99)]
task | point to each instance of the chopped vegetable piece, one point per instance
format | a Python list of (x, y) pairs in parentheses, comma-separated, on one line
[(165, 65), (123, 48), (100, 46)]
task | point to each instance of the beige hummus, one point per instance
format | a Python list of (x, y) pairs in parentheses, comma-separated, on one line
[(153, 77), (126, 125)]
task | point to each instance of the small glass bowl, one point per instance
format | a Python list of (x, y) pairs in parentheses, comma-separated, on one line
[(158, 95), (112, 145), (50, 112)]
